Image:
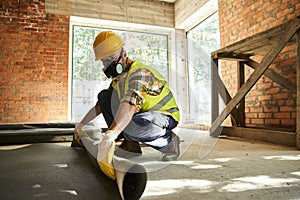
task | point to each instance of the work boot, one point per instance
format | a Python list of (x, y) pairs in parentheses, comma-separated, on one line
[(172, 151), (129, 149)]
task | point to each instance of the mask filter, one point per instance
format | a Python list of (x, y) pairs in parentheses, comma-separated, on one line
[(114, 69)]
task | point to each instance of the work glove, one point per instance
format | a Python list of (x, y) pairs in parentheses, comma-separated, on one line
[(76, 136), (106, 149)]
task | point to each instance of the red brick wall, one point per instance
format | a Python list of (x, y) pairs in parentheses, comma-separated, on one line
[(268, 105), (34, 63)]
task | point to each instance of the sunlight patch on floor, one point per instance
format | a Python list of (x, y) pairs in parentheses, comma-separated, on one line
[(224, 159), (206, 166), (296, 173), (257, 182), (169, 186), (283, 157)]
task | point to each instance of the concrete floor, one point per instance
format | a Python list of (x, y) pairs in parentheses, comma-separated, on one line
[(227, 168), (51, 171), (223, 168)]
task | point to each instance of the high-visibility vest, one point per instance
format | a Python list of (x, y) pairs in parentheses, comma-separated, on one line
[(163, 102)]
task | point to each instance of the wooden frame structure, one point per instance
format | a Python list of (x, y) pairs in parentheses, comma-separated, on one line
[(267, 44)]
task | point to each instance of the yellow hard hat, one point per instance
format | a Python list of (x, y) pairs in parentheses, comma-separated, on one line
[(106, 44)]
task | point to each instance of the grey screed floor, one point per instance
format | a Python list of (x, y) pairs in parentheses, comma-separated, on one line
[(223, 168)]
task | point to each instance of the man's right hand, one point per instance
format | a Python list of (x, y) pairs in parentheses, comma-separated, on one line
[(76, 137)]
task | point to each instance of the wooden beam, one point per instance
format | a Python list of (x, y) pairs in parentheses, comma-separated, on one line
[(271, 136), (241, 80), (214, 90), (298, 92), (265, 63), (231, 56), (155, 13), (259, 42), (274, 76)]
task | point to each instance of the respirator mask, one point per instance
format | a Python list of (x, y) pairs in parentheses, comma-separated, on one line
[(113, 69)]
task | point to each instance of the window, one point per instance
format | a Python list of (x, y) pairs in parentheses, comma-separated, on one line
[(202, 40), (87, 76)]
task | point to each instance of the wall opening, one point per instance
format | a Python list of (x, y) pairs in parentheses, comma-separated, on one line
[(201, 41)]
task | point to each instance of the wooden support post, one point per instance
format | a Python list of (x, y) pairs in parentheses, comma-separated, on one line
[(241, 80), (214, 90), (263, 66), (217, 88), (298, 92)]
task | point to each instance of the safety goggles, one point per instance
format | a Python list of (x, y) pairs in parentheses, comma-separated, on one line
[(107, 61)]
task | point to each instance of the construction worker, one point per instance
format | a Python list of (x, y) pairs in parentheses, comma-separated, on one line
[(138, 107)]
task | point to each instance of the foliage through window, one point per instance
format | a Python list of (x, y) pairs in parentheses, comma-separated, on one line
[(202, 40)]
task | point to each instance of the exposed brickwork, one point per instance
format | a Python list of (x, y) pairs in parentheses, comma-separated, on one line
[(268, 104), (34, 63)]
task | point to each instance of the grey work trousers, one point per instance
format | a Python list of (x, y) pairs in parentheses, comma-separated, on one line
[(151, 128)]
